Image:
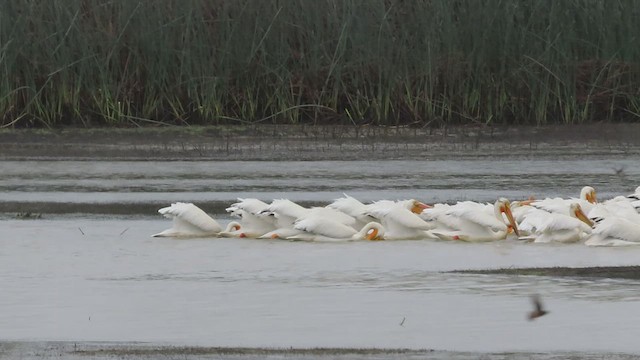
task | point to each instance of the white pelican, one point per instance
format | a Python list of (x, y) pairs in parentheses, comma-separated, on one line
[(287, 213), (191, 221), (254, 223), (323, 229), (546, 227), (616, 207), (399, 222), (559, 205), (352, 207), (635, 195), (633, 199), (614, 231), (471, 222), (412, 205)]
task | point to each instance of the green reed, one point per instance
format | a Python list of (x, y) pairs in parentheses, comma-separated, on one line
[(384, 62)]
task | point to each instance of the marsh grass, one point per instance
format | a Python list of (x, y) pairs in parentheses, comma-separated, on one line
[(425, 63)]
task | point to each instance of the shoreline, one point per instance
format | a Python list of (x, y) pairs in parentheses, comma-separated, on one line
[(140, 350), (312, 143)]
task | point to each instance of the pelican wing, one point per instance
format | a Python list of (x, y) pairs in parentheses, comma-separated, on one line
[(618, 228), (559, 222), (534, 220), (432, 214), (475, 213), (324, 227), (253, 206), (332, 214), (348, 205), (286, 207), (540, 221), (624, 209), (557, 205), (400, 217), (189, 219)]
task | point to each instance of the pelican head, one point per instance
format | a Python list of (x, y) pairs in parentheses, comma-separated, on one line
[(373, 231), (504, 207), (417, 207), (372, 235), (233, 226), (576, 211), (588, 193)]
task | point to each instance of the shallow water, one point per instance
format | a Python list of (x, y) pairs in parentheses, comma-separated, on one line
[(82, 277), (203, 181)]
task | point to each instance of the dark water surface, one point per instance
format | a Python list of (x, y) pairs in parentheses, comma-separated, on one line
[(216, 184)]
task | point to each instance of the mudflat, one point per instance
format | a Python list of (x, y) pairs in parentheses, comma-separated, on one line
[(93, 350), (300, 142)]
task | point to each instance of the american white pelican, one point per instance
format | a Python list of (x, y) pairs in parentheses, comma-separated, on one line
[(617, 207), (352, 207), (191, 221), (545, 227), (412, 205), (399, 222), (632, 199), (323, 229), (471, 222), (635, 195), (614, 231), (254, 223), (559, 205), (287, 213)]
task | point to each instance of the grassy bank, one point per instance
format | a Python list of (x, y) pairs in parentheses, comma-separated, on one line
[(428, 63)]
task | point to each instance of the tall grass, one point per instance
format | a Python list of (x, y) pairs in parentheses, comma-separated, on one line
[(437, 62)]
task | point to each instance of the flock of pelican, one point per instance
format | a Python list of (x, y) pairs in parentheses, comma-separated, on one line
[(615, 222)]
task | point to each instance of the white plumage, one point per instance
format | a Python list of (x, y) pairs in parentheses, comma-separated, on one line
[(188, 221), (546, 227), (399, 222), (323, 229), (614, 231), (471, 221), (559, 205), (254, 222)]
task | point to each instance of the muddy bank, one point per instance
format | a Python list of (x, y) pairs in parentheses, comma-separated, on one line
[(74, 350), (278, 142), (609, 272)]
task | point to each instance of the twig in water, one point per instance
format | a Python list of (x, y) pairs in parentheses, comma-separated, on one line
[(81, 231), (402, 322), (124, 231)]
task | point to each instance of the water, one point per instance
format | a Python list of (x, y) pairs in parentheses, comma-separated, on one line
[(431, 181), (101, 277)]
